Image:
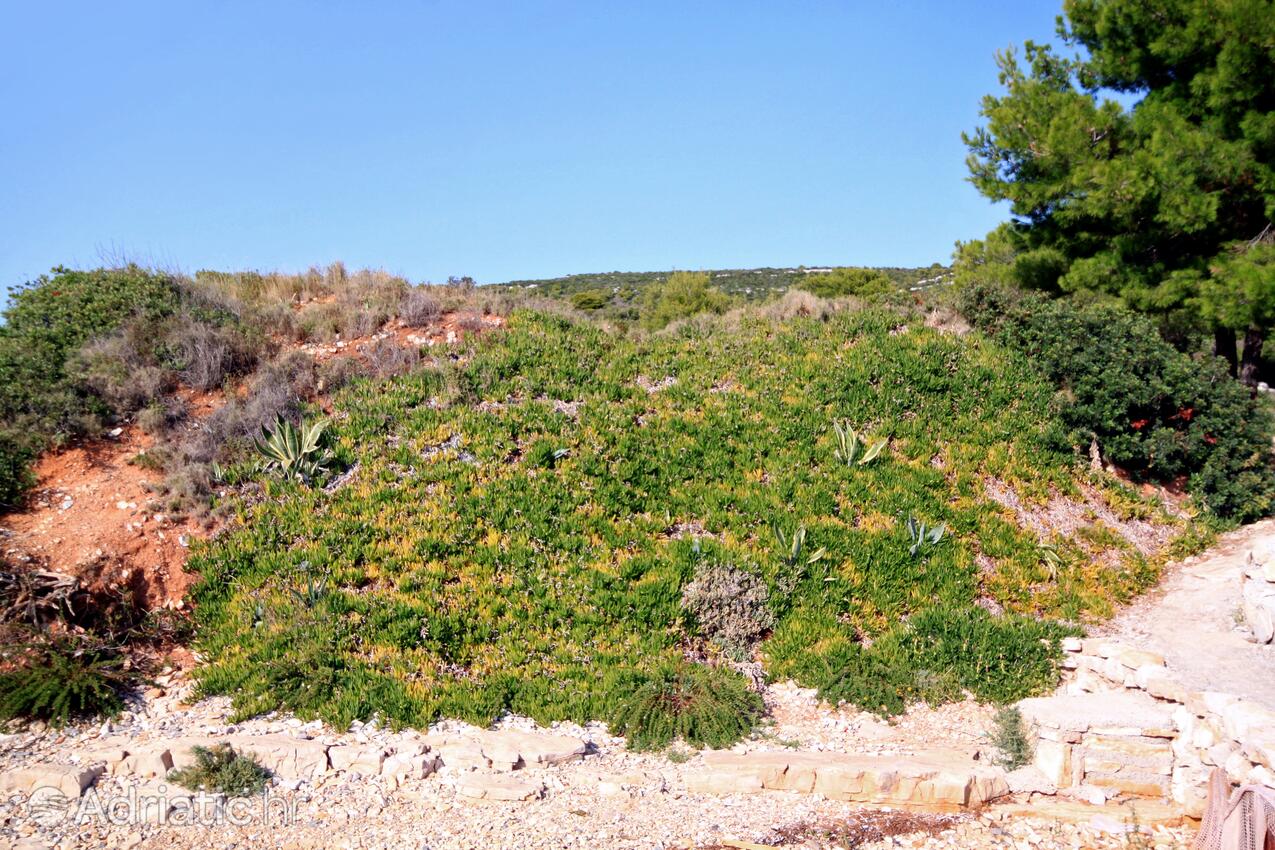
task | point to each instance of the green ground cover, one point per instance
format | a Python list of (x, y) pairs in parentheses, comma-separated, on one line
[(519, 525)]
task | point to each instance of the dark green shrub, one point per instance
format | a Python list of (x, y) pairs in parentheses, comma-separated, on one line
[(16, 454), (57, 678), (838, 283), (941, 653), (50, 319), (591, 299), (1154, 411), (44, 325), (220, 770), (704, 706)]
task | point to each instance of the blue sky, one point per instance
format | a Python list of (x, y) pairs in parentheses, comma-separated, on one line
[(498, 140)]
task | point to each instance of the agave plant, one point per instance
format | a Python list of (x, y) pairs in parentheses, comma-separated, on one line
[(852, 449), (923, 537), (298, 453), (1052, 559), (313, 588), (795, 545)]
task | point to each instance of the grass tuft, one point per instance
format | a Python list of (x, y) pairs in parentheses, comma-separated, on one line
[(219, 769)]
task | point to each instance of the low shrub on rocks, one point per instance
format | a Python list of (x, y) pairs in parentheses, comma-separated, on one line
[(221, 770), (703, 706), (1010, 737)]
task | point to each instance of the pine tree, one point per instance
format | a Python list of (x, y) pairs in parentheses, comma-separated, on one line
[(1142, 164)]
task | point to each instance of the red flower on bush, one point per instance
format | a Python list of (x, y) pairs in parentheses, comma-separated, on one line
[(1139, 424)]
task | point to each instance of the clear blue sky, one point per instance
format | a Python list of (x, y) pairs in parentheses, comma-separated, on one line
[(498, 140)]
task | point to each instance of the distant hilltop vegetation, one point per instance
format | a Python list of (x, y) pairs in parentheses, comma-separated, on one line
[(752, 284)]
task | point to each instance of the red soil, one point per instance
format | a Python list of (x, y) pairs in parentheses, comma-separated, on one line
[(92, 514), (89, 517)]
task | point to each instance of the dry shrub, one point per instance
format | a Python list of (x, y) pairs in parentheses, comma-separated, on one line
[(470, 322), (359, 323), (320, 322), (419, 308), (729, 605), (867, 826), (209, 354), (337, 372), (121, 375), (386, 358), (161, 414), (278, 390), (798, 302)]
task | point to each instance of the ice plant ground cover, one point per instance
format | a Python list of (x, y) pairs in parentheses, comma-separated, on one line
[(520, 523)]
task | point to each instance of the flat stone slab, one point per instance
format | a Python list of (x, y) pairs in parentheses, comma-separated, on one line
[(486, 786), (1190, 619), (938, 779), (506, 749), (1112, 713), (70, 780)]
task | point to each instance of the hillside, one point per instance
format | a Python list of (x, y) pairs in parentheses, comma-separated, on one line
[(517, 529), (408, 547)]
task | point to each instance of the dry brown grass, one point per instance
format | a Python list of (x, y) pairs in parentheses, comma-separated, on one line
[(865, 826)]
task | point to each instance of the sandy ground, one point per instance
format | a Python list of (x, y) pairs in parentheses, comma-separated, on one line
[(1192, 620)]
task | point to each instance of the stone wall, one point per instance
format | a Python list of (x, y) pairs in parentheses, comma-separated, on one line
[(1121, 725)]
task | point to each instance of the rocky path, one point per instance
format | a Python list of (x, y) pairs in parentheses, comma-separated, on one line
[(1193, 619), (517, 786)]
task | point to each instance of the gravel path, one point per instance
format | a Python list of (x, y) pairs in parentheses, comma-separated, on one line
[(1191, 619), (611, 800)]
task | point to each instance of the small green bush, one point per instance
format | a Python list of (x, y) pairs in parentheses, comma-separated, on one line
[(704, 706), (683, 295), (591, 299), (1154, 411), (941, 653), (219, 769), (57, 678), (867, 680), (16, 454), (858, 282), (1010, 737)]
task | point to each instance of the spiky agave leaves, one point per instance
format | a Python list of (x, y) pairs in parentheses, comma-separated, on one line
[(793, 547), (296, 453), (852, 449), (922, 536)]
